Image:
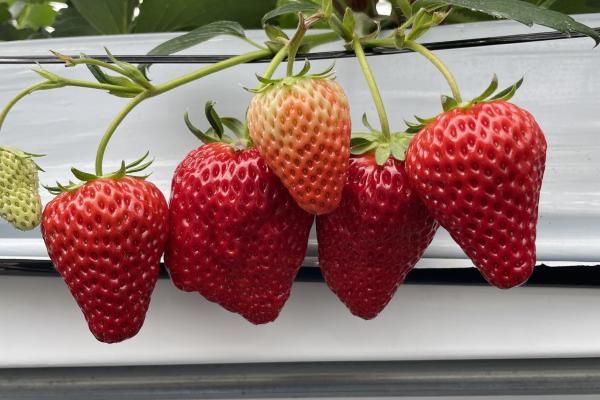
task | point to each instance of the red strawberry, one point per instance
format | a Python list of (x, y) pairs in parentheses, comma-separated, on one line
[(479, 170), (106, 239), (237, 237), (301, 126), (374, 238)]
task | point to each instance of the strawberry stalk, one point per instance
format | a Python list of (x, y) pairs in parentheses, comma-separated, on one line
[(377, 100), (439, 64)]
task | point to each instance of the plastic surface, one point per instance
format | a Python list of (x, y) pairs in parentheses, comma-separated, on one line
[(41, 322)]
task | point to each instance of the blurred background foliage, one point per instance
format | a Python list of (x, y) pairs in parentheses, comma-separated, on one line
[(31, 19)]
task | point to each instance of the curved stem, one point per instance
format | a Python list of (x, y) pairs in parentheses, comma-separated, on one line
[(101, 86), (159, 89), (439, 64), (113, 126), (362, 60), (253, 43), (93, 61), (19, 96), (221, 65), (272, 67)]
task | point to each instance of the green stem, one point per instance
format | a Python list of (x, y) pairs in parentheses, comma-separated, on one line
[(424, 51), (159, 89), (294, 43), (364, 65), (113, 126), (221, 65), (101, 86), (253, 43), (319, 38), (19, 96), (277, 59), (93, 61)]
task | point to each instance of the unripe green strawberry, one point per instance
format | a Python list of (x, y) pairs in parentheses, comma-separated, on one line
[(301, 127), (20, 202)]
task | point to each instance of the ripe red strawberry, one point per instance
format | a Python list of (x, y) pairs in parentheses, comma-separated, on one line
[(237, 237), (374, 238), (301, 126), (106, 239), (479, 171)]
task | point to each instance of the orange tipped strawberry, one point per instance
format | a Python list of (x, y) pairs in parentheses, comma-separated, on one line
[(301, 126)]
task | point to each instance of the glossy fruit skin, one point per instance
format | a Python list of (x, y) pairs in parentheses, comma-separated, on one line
[(237, 237), (303, 132), (20, 202), (374, 238), (106, 239), (479, 171)]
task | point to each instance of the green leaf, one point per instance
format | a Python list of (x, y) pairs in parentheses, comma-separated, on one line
[(509, 92), (348, 21), (303, 6), (204, 137), (398, 146), (83, 176), (275, 33), (4, 13), (199, 35), (404, 6), (36, 16), (234, 125), (448, 103), (327, 7), (69, 22), (382, 153), (195, 37), (177, 15), (367, 124), (108, 17), (523, 12), (213, 118), (362, 148), (488, 91)]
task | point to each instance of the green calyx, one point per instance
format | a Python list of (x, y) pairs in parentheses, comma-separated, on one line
[(237, 137), (20, 202), (84, 177), (379, 145), (267, 83), (449, 103)]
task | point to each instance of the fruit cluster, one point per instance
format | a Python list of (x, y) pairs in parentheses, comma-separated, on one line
[(242, 204)]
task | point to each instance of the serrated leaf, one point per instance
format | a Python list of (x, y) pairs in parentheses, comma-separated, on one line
[(303, 6), (520, 11), (196, 36), (382, 153)]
